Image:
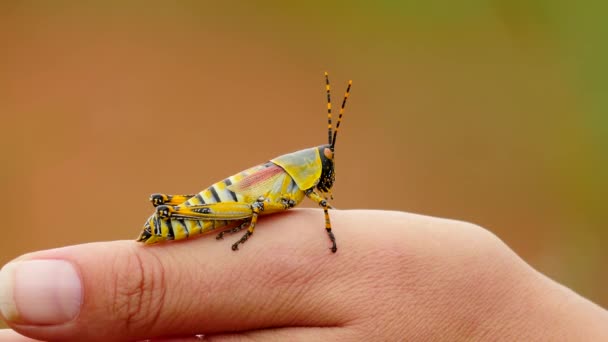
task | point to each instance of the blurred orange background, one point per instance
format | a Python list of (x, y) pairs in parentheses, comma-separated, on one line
[(492, 112)]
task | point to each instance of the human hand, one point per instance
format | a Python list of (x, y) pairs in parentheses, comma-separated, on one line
[(395, 277)]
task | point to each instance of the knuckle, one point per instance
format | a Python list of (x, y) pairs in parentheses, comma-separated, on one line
[(139, 289), (476, 238)]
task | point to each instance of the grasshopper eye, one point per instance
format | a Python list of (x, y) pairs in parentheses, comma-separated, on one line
[(328, 153)]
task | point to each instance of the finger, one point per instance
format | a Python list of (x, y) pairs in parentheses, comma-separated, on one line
[(292, 334), (7, 335), (284, 276)]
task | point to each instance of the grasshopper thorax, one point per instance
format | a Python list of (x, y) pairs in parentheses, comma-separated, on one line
[(328, 176)]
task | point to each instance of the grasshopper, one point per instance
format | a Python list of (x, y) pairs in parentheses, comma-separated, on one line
[(237, 201)]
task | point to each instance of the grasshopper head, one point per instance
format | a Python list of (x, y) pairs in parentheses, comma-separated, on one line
[(328, 176), (326, 152)]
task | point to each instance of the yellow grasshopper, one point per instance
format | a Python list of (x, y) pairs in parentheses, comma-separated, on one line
[(237, 201)]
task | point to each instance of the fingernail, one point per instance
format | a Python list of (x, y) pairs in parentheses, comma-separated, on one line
[(40, 292)]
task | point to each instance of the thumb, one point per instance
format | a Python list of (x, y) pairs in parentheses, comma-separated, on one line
[(122, 290)]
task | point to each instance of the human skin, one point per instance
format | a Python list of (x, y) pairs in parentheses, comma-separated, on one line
[(395, 277)]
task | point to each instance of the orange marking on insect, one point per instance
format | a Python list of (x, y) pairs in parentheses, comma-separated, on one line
[(260, 176)]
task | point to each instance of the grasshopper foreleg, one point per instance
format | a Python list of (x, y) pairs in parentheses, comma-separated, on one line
[(326, 206)]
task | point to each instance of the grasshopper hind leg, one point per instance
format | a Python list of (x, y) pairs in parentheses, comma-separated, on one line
[(256, 208), (244, 215), (233, 230), (164, 199)]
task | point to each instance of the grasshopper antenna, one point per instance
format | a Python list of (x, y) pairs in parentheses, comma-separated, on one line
[(329, 135), (333, 141)]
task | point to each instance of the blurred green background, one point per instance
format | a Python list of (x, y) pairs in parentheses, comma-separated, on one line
[(489, 111)]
